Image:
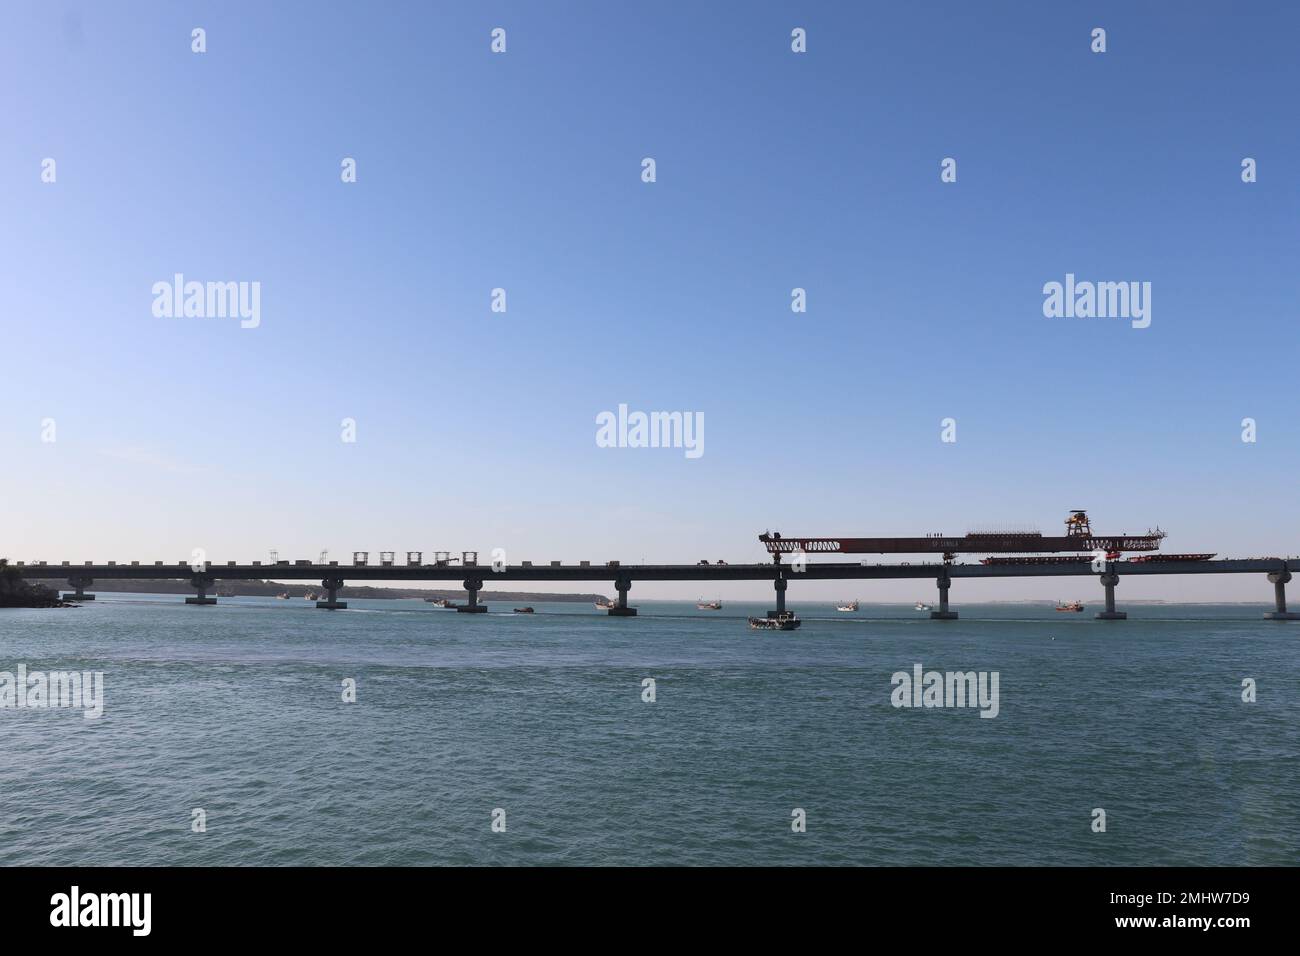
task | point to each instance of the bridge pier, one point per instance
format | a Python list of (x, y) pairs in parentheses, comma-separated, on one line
[(780, 583), (80, 584), (943, 614), (622, 585), (332, 603), (472, 587), (1108, 581), (201, 583), (1279, 580)]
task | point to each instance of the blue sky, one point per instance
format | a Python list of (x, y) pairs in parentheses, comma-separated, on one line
[(522, 170)]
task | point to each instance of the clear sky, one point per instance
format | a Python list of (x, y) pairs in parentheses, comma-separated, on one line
[(523, 171)]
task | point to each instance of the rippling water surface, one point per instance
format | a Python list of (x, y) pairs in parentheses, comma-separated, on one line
[(237, 709)]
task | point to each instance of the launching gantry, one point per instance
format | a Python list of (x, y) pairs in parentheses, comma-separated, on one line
[(1078, 538)]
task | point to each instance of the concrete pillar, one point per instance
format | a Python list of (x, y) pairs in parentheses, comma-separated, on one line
[(332, 603), (622, 585), (780, 584), (1108, 581), (943, 614), (1279, 580), (79, 594), (472, 587), (201, 583)]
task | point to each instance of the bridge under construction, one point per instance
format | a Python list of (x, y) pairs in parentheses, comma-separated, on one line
[(203, 577), (1079, 538), (1087, 553)]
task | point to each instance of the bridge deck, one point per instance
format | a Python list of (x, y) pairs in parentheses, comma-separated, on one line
[(812, 570)]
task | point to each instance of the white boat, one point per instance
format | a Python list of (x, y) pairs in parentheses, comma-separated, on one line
[(922, 607), (851, 606), (603, 604), (704, 605)]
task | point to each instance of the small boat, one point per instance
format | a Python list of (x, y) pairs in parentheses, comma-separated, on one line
[(282, 596), (225, 592), (603, 604), (775, 621), (922, 607), (523, 610), (1072, 606), (309, 596), (851, 606), (704, 605), (439, 602)]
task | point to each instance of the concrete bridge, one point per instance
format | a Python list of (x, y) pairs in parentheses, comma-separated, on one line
[(203, 577)]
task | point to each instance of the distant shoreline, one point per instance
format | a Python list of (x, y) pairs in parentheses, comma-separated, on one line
[(269, 588)]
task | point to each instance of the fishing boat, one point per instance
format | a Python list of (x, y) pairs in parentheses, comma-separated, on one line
[(603, 604), (1072, 606), (704, 605), (310, 596), (282, 596), (851, 606), (775, 621), (523, 610), (921, 606), (439, 602)]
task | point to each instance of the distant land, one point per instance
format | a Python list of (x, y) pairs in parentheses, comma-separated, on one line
[(272, 588)]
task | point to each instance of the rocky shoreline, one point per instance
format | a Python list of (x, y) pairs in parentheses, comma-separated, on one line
[(15, 592)]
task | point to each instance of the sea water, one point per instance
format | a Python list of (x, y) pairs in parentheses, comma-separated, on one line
[(757, 747)]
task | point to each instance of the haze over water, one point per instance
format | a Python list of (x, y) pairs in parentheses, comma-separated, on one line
[(237, 709)]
